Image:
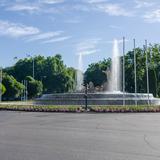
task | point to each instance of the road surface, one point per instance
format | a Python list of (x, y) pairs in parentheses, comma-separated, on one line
[(67, 136)]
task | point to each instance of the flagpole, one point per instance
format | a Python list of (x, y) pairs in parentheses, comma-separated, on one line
[(135, 71), (123, 71), (147, 75)]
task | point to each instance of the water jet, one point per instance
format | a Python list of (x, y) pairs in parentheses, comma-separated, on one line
[(114, 96)]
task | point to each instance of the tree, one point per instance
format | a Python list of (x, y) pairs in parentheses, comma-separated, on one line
[(13, 87), (57, 77), (95, 72), (141, 71), (34, 87), (153, 70), (3, 88), (51, 68)]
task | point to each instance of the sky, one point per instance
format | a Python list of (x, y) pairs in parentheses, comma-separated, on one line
[(73, 27)]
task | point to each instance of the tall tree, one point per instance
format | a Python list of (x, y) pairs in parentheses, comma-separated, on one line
[(48, 70), (95, 72)]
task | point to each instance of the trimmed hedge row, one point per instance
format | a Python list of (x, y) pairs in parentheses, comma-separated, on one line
[(32, 108), (98, 109), (124, 109)]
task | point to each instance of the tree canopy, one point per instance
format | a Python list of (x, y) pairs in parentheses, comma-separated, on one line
[(53, 76), (34, 87), (3, 88), (95, 73), (13, 87)]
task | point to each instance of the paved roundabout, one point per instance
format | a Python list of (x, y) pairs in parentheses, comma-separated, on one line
[(72, 136)]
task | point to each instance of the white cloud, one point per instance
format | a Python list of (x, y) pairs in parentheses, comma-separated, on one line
[(40, 6), (113, 9), (29, 33), (23, 7), (87, 46), (96, 1), (153, 16), (44, 36), (48, 7), (51, 1), (114, 27), (16, 30), (143, 3), (58, 39), (72, 21), (89, 52), (81, 7)]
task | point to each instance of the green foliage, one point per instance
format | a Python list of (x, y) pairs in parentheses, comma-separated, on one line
[(37, 108), (55, 76), (3, 88), (95, 72), (34, 87), (153, 69), (13, 87), (125, 109)]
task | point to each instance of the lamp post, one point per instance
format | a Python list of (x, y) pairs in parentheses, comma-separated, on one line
[(86, 96), (24, 96), (33, 65), (42, 78)]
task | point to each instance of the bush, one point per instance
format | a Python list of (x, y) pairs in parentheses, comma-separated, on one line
[(126, 109), (32, 108), (34, 87), (13, 87)]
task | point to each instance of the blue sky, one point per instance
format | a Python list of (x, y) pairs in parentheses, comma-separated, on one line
[(70, 27)]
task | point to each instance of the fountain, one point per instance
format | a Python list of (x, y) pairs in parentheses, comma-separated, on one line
[(113, 96), (115, 79), (79, 77)]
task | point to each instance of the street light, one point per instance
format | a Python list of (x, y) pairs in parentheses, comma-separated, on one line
[(33, 65), (86, 95), (42, 78), (24, 96)]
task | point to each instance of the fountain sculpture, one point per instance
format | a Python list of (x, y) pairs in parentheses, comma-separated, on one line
[(113, 96)]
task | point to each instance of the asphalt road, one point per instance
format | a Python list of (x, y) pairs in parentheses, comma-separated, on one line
[(65, 136)]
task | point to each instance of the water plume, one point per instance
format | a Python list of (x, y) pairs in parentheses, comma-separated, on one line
[(115, 79)]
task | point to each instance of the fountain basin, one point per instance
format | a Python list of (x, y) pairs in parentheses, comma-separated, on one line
[(96, 99)]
